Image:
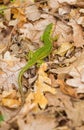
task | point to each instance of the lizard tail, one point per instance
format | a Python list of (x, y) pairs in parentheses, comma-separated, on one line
[(25, 68), (20, 85)]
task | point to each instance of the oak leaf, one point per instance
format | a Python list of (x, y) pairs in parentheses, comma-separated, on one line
[(10, 100), (41, 86)]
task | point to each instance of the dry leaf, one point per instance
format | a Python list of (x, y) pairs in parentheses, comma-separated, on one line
[(64, 47), (77, 34), (41, 86), (64, 33), (27, 31), (1, 71), (10, 65), (64, 10), (7, 14), (53, 4), (66, 88), (43, 121), (32, 13), (64, 106), (18, 13), (11, 103), (80, 21), (68, 1), (6, 1), (3, 43), (10, 100), (77, 80)]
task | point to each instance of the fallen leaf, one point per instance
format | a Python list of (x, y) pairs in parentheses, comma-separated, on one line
[(27, 31), (67, 1), (10, 94), (18, 13), (7, 14), (1, 71), (6, 1), (53, 4), (80, 21), (77, 81), (66, 88), (77, 34), (75, 70), (10, 65), (11, 103), (41, 86), (64, 47), (42, 121), (10, 99), (3, 43), (32, 13), (64, 33)]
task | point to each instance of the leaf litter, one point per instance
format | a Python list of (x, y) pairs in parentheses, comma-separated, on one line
[(55, 90)]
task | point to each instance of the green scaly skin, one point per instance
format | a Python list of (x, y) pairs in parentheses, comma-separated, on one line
[(39, 54)]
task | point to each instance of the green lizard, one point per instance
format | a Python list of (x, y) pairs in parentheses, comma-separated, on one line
[(39, 54)]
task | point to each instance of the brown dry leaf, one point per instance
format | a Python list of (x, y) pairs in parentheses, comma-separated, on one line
[(41, 86), (1, 71), (73, 109), (76, 113), (28, 106), (6, 1), (5, 37), (80, 21), (10, 100), (1, 1), (78, 37), (11, 103), (66, 88), (70, 79), (32, 13), (64, 10), (42, 121), (18, 13), (42, 23), (27, 31), (64, 47), (77, 80), (7, 14), (76, 62), (10, 94), (53, 4), (10, 65), (4, 43), (64, 33), (68, 1), (62, 128), (75, 70)]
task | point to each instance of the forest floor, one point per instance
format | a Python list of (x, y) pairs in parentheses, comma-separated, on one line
[(55, 89)]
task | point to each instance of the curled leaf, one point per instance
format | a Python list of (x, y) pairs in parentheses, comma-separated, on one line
[(11, 103), (10, 99), (63, 48), (66, 88)]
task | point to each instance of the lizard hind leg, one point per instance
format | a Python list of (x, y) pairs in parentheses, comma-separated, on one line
[(55, 38), (29, 55), (39, 62)]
